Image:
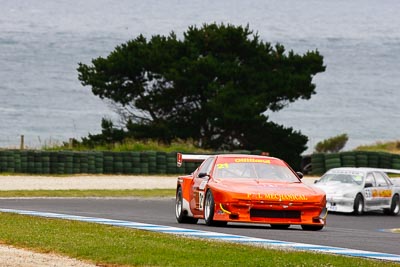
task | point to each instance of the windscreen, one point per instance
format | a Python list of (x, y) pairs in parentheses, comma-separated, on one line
[(344, 178), (253, 169)]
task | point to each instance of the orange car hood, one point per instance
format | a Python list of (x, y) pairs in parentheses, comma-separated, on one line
[(253, 189)]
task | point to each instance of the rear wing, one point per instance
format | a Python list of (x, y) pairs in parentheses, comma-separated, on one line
[(180, 158)]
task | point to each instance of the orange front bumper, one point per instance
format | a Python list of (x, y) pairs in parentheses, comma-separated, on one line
[(270, 213)]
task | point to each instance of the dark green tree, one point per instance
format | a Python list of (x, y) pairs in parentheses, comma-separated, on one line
[(213, 85)]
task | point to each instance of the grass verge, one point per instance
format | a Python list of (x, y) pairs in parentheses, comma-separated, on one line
[(115, 246), (90, 193)]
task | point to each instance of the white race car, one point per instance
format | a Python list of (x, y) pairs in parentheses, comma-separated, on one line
[(357, 190)]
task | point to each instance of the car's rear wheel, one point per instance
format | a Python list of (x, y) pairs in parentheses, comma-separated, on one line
[(280, 226), (358, 208), (180, 214), (394, 207), (209, 207)]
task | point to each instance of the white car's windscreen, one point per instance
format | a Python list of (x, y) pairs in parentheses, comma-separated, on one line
[(342, 178)]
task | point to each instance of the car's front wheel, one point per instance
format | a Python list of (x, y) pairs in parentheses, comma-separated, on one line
[(394, 207), (180, 214), (358, 205), (209, 207)]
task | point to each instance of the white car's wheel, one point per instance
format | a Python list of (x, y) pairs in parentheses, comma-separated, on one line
[(394, 207), (359, 205)]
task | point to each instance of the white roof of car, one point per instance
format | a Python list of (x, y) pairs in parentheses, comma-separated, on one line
[(362, 169)]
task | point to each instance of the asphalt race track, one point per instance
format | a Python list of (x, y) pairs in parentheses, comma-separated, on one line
[(370, 232)]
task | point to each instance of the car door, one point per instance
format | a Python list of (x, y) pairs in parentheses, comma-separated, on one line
[(370, 190), (199, 183), (384, 190)]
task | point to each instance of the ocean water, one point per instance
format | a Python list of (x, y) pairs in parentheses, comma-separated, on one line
[(42, 42)]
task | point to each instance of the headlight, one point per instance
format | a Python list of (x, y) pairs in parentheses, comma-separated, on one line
[(323, 201), (349, 195)]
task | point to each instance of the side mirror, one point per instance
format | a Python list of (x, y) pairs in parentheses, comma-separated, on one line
[(202, 175), (316, 181), (300, 174)]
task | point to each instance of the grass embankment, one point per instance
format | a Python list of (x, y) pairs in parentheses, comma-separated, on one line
[(115, 246), (90, 193), (390, 147), (190, 147), (132, 145)]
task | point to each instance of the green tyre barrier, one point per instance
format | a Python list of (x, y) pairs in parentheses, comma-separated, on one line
[(3, 161), (361, 159), (348, 159), (60, 168), (373, 159), (127, 167), (98, 162), (161, 159), (17, 161), (118, 167), (318, 171), (396, 166), (385, 160), (136, 170), (10, 161), (24, 161), (190, 167), (332, 161), (317, 163), (53, 159), (396, 161)]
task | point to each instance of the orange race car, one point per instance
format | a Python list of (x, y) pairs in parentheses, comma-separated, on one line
[(247, 189)]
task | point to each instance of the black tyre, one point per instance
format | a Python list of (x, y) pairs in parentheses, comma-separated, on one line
[(209, 207), (280, 226), (394, 207), (312, 227), (358, 208), (180, 214)]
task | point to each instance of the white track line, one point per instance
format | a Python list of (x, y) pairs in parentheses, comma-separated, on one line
[(214, 235)]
